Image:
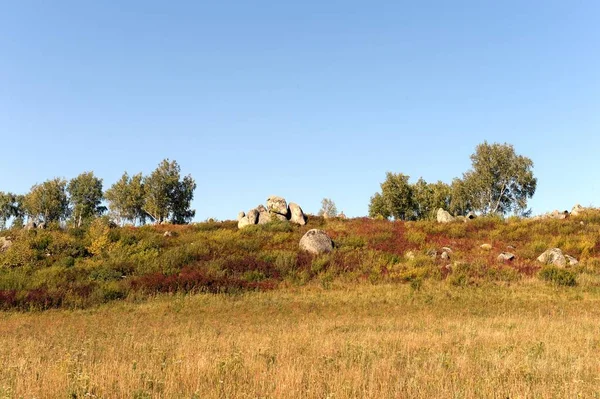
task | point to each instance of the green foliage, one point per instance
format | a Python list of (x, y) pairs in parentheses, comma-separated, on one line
[(8, 208), (85, 196), (558, 276), (126, 199), (395, 199), (500, 181), (47, 201), (328, 208)]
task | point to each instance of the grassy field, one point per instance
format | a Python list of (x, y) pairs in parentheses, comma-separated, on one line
[(525, 340)]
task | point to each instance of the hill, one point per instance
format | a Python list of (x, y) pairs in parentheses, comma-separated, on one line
[(81, 267)]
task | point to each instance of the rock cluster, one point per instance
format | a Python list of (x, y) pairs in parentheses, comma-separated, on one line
[(444, 216), (277, 209), (555, 257), (577, 210), (316, 242)]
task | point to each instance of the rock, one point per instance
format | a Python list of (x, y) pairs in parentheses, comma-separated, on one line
[(252, 216), (461, 219), (571, 260), (506, 256), (168, 234), (278, 216), (410, 255), (31, 225), (277, 205), (447, 249), (316, 242), (554, 257), (243, 222), (510, 247), (43, 225), (445, 256), (296, 214), (471, 215), (264, 217), (5, 244), (240, 215), (444, 216), (261, 208), (578, 210), (486, 247), (342, 215)]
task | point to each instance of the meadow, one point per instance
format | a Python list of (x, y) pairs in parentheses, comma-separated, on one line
[(210, 311)]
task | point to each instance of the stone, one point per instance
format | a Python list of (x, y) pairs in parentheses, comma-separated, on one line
[(410, 255), (445, 256), (296, 214), (486, 247), (506, 256), (554, 257), (278, 216), (252, 216), (447, 249), (432, 253), (31, 225), (5, 244), (261, 208), (277, 205), (571, 260), (471, 215), (243, 222), (342, 215), (264, 217), (168, 234), (316, 242), (240, 215), (444, 216), (43, 225), (578, 210)]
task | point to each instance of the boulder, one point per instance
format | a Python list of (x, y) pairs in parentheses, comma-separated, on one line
[(316, 242), (471, 215), (252, 216), (168, 234), (264, 217), (296, 214), (5, 243), (486, 247), (342, 215), (31, 225), (277, 205), (444, 216), (243, 222), (506, 256), (445, 256), (556, 257), (410, 255), (447, 249), (240, 215), (578, 210), (432, 253), (278, 216)]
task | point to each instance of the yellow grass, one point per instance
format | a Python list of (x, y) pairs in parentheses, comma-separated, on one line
[(352, 341)]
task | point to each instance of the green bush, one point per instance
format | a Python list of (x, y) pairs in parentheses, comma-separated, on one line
[(558, 276)]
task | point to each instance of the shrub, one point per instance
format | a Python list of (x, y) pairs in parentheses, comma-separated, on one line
[(558, 276)]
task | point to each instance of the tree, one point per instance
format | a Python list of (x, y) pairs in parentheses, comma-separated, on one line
[(378, 208), (85, 193), (168, 196), (460, 198), (500, 181), (7, 208), (126, 199), (328, 208), (429, 197), (48, 201), (395, 199)]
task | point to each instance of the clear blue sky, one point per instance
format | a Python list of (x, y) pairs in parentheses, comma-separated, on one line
[(305, 99)]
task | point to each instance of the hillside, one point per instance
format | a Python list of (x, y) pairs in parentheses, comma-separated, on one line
[(82, 267)]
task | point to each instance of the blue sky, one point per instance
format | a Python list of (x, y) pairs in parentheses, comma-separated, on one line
[(306, 99)]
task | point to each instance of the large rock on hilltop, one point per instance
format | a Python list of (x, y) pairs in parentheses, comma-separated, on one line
[(277, 205), (316, 242), (578, 210), (296, 214), (444, 216), (5, 243), (240, 215), (252, 216), (264, 217), (243, 222)]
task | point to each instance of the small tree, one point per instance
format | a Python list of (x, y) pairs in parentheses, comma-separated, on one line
[(86, 196), (429, 197), (126, 199), (395, 199), (7, 208), (500, 181), (47, 201), (168, 196), (328, 208)]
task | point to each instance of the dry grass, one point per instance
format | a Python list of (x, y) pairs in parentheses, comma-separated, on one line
[(528, 340)]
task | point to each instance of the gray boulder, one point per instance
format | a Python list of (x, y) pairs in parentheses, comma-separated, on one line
[(445, 256), (252, 216), (556, 257), (240, 215), (444, 216), (506, 256), (264, 217), (277, 205), (470, 215), (316, 242), (578, 210), (243, 222), (296, 214)]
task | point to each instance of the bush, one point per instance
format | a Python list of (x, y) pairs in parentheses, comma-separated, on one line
[(558, 276)]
